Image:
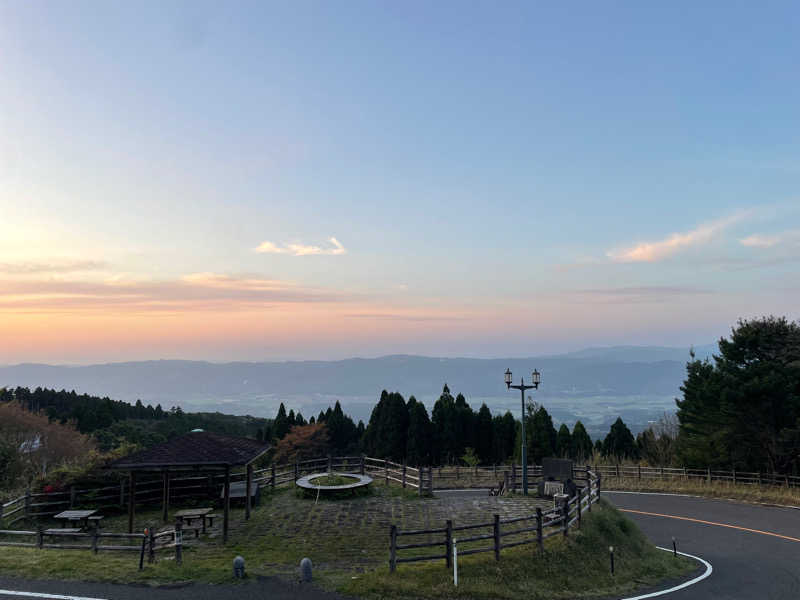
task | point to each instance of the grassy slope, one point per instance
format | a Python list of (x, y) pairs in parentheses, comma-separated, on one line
[(354, 560), (574, 568), (718, 489)]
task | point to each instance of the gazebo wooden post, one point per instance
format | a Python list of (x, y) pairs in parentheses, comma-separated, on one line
[(165, 496), (248, 491), (131, 499), (227, 494)]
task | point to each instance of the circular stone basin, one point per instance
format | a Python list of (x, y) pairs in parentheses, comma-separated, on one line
[(307, 482)]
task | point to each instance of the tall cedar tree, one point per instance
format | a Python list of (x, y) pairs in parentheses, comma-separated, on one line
[(387, 429), (743, 410), (446, 429), (564, 442), (281, 425), (619, 442), (484, 435), (581, 443), (418, 442)]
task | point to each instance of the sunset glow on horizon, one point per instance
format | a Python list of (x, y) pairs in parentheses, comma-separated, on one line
[(262, 183)]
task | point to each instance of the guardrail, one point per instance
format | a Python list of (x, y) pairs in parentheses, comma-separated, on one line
[(534, 528)]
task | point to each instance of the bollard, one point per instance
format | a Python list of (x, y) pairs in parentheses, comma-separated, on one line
[(611, 554), (238, 567), (305, 570)]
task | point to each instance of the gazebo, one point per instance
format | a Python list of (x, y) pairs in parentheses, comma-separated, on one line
[(198, 451)]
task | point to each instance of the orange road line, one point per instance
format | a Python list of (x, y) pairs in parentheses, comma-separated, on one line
[(650, 514)]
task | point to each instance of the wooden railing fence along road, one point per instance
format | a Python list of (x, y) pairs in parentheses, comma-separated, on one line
[(534, 528)]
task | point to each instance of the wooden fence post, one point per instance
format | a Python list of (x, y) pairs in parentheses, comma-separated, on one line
[(497, 537), (565, 509), (539, 539), (430, 480), (709, 475), (1, 512), (362, 464), (330, 463), (599, 483), (495, 470), (457, 472), (392, 548), (404, 472), (27, 510), (734, 476), (95, 536), (151, 546), (386, 470), (505, 482), (448, 542), (296, 470), (39, 536), (71, 496), (272, 478), (580, 501), (178, 542), (662, 472), (589, 488), (122, 493), (759, 479), (513, 476), (421, 474), (639, 467)]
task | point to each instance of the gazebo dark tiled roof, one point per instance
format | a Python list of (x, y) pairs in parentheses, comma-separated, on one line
[(199, 449)]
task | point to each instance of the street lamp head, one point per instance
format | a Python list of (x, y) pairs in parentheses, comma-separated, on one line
[(508, 377), (536, 378)]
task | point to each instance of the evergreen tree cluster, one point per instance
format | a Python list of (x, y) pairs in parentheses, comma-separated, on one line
[(113, 422)]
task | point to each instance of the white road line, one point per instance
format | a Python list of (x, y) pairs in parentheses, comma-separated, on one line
[(709, 570), (43, 595)]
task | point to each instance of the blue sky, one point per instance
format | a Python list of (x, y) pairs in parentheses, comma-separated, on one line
[(498, 180)]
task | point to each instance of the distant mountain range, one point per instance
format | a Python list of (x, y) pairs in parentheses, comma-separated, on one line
[(629, 376)]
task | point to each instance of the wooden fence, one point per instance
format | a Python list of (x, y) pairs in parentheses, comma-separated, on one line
[(489, 475), (43, 504), (498, 534)]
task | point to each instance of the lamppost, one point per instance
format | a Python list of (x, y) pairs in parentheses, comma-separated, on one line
[(535, 379)]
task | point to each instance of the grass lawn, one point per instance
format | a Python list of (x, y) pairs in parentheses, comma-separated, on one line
[(348, 542), (577, 567), (767, 494)]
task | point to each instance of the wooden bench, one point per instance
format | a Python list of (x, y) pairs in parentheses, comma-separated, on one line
[(211, 519)]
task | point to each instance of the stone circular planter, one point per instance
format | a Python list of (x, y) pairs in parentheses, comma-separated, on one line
[(306, 482)]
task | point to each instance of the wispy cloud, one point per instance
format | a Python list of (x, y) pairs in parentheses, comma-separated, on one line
[(637, 294), (675, 243), (791, 238), (194, 292), (50, 267), (268, 247)]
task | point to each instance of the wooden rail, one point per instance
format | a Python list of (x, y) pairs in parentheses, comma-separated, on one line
[(531, 529)]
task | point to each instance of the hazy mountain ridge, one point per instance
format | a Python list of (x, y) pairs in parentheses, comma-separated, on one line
[(591, 372)]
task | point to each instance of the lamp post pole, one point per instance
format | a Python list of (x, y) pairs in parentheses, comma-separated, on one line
[(536, 378)]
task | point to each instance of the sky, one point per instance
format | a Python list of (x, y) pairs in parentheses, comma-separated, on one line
[(321, 180)]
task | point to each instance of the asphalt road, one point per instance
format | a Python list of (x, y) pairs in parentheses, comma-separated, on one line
[(264, 587), (754, 550), (748, 565)]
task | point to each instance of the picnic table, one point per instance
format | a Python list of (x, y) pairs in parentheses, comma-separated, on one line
[(71, 516), (194, 513)]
